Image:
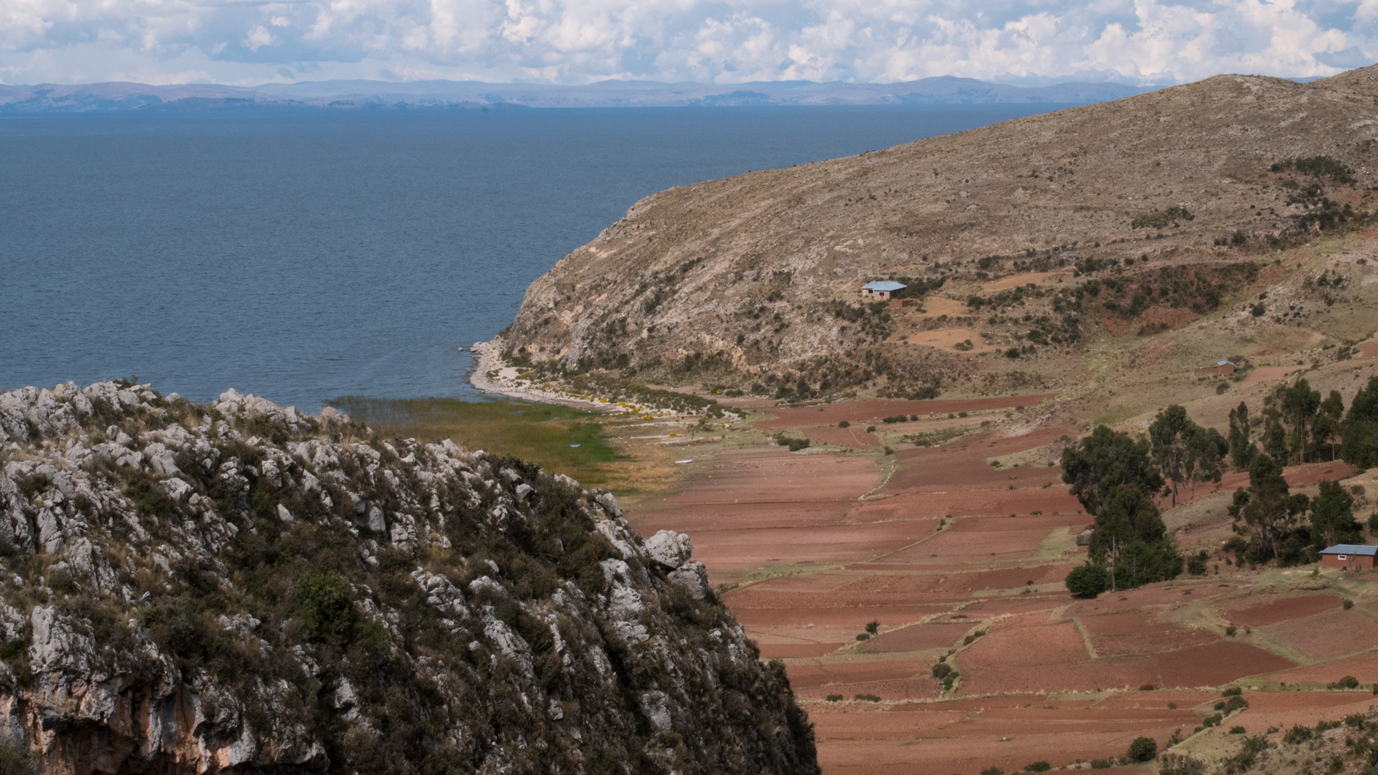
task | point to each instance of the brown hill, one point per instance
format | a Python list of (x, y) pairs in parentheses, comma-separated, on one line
[(1181, 197)]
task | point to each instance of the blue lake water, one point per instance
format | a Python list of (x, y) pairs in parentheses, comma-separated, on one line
[(305, 256)]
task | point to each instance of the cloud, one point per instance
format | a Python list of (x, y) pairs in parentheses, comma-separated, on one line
[(577, 41)]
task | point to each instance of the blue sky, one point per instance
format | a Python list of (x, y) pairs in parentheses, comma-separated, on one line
[(247, 42)]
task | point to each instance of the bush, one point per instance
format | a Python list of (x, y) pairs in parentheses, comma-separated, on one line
[(1212, 721), (1147, 688), (941, 670), (1037, 767), (1297, 734), (1087, 581), (1196, 564), (15, 760), (866, 698), (1233, 691), (1143, 749), (834, 698), (1231, 630), (1102, 764), (1237, 730), (992, 771), (1349, 604), (873, 627), (844, 424), (1348, 682), (863, 636)]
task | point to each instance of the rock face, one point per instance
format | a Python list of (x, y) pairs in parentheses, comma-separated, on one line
[(239, 587), (761, 272)]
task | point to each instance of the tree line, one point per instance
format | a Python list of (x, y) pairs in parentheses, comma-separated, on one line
[(1118, 479)]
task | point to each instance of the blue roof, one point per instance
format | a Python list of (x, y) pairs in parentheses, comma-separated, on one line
[(1224, 363), (883, 285), (1359, 549)]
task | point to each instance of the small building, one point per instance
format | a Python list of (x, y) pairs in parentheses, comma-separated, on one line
[(881, 289), (1220, 367), (1349, 557)]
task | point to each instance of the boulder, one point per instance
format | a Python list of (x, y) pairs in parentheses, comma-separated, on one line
[(669, 548)]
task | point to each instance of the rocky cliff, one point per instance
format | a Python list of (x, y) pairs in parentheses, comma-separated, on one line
[(761, 272), (238, 587)]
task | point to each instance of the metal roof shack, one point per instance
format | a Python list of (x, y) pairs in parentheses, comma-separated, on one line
[(1349, 556), (881, 289), (1220, 367)]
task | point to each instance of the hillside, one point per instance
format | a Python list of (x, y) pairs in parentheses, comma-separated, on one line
[(1181, 198), (238, 587)]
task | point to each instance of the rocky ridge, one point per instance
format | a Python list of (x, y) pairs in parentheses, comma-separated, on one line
[(240, 587)]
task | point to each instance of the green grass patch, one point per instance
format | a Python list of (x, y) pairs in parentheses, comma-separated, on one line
[(542, 433)]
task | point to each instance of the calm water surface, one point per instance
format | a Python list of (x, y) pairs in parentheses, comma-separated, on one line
[(313, 255)]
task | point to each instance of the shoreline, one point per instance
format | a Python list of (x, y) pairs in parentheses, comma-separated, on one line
[(488, 360)]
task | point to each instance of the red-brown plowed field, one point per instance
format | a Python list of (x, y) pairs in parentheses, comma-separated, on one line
[(759, 619), (1282, 610), (889, 690), (1331, 634), (1053, 657), (917, 637), (939, 739), (1002, 502), (1363, 667), (968, 545), (852, 438), (1135, 633), (814, 673), (876, 409), (1284, 709), (850, 551), (736, 550), (795, 650)]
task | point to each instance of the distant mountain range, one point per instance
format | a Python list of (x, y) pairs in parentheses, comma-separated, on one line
[(377, 95)]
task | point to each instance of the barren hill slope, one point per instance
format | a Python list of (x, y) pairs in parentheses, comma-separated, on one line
[(763, 270)]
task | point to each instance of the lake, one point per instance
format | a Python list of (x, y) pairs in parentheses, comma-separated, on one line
[(307, 255)]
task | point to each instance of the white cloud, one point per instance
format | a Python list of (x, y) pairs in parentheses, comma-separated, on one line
[(258, 38), (251, 41)]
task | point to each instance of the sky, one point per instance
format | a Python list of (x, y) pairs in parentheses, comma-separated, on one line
[(1024, 42)]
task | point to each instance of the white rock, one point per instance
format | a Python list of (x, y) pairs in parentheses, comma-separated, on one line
[(669, 548)]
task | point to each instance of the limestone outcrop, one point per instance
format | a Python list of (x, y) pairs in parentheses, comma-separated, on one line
[(240, 587)]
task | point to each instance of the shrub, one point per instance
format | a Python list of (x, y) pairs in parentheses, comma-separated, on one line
[(1231, 630), (1297, 734), (1037, 767), (1233, 691), (1235, 703), (866, 698), (834, 698), (1147, 688), (1348, 682), (1143, 749), (1087, 581), (863, 636), (992, 771), (1212, 721), (873, 627), (1237, 730), (15, 760), (941, 670), (1349, 604), (844, 424), (1102, 764)]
